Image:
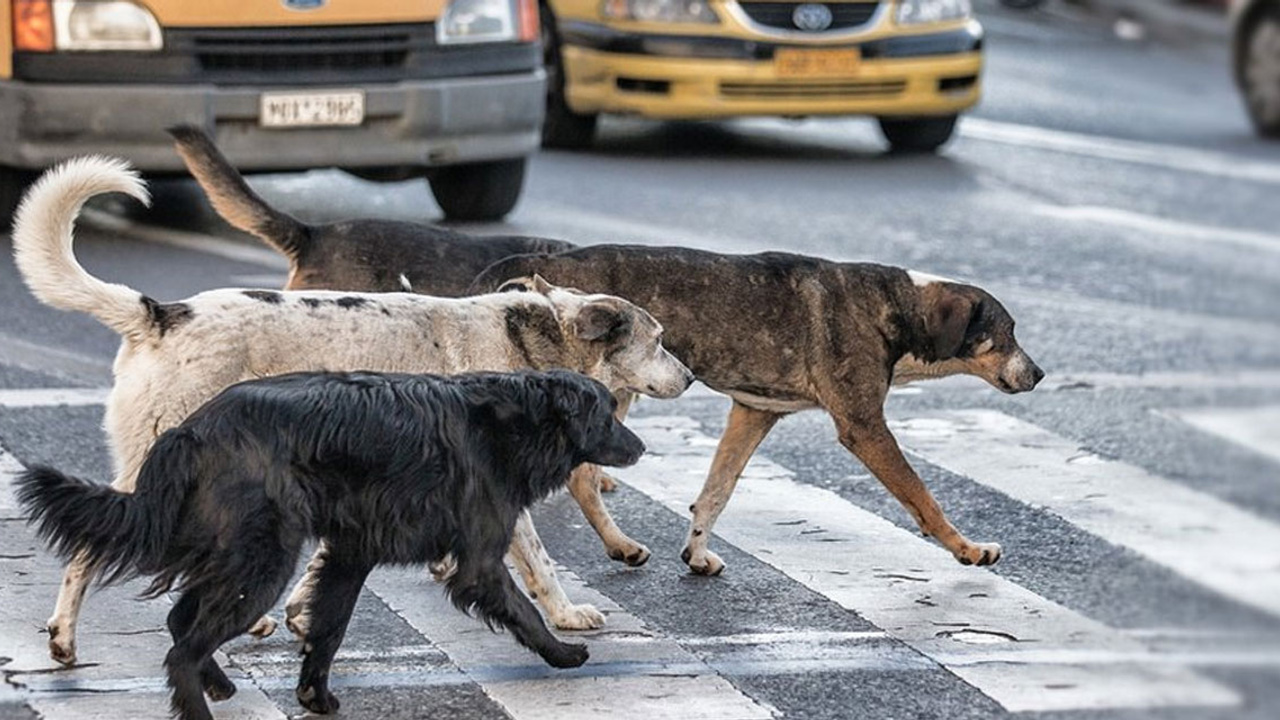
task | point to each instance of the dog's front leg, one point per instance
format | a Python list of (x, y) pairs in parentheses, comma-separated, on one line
[(870, 440), (584, 485), (484, 585), (539, 574), (746, 429)]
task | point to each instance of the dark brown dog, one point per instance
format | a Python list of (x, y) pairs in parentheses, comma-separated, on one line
[(780, 333), (776, 332)]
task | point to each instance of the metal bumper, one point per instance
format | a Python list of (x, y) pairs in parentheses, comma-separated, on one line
[(407, 124)]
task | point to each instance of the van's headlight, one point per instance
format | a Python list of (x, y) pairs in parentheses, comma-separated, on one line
[(912, 12), (695, 11), (104, 25), (478, 21)]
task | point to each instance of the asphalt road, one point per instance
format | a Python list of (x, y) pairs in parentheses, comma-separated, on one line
[(1109, 193)]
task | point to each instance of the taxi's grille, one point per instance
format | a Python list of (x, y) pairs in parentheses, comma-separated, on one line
[(301, 49), (844, 15), (831, 90)]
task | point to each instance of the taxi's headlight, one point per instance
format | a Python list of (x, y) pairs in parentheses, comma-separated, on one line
[(479, 21), (692, 11), (104, 25), (914, 12)]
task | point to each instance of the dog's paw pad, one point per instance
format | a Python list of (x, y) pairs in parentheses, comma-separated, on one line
[(62, 646), (265, 626), (578, 617)]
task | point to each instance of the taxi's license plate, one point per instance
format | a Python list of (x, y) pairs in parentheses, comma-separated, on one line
[(804, 62), (311, 109)]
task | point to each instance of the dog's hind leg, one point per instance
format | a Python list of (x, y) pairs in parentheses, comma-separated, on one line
[(215, 682), (297, 609), (62, 624), (333, 599), (539, 575), (747, 428)]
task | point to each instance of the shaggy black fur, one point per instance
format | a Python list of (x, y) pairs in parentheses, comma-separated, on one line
[(386, 468)]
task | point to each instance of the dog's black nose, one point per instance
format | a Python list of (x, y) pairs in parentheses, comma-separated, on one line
[(1036, 375)]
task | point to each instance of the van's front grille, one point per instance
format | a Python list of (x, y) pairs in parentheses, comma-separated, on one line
[(811, 90), (301, 49), (781, 15)]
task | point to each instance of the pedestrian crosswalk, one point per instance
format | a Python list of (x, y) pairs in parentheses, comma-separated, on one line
[(1025, 652)]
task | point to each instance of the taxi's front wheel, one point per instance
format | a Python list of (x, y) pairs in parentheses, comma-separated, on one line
[(918, 134)]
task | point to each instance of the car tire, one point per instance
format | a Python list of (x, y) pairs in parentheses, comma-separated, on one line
[(1260, 72), (562, 128), (13, 183), (478, 191), (918, 135)]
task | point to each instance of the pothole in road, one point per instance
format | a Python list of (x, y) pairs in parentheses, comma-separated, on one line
[(978, 637)]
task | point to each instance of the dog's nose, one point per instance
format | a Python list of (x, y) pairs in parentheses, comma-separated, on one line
[(1036, 375)]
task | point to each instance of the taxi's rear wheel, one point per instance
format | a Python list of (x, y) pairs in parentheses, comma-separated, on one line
[(561, 127), (1261, 73), (478, 191), (13, 183), (918, 134)]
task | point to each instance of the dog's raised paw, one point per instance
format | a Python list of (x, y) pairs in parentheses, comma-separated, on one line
[(980, 554), (607, 483), (566, 655), (578, 617), (323, 702), (62, 645)]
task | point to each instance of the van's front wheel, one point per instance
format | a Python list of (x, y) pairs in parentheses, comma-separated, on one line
[(478, 191), (918, 134)]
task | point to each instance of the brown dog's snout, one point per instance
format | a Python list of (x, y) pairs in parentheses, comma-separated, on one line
[(1021, 373)]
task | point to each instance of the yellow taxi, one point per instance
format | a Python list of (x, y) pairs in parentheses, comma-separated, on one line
[(913, 64)]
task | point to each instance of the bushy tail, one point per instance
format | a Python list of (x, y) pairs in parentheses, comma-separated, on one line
[(232, 197), (42, 242), (121, 534)]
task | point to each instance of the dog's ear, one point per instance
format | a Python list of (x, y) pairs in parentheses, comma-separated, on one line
[(601, 319), (520, 284), (947, 322), (527, 284)]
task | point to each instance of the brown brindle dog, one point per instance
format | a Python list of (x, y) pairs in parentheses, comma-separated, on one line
[(780, 333), (776, 332)]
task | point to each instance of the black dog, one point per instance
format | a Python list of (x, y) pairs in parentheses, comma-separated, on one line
[(386, 468)]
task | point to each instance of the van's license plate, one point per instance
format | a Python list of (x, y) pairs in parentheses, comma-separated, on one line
[(804, 62), (311, 109)]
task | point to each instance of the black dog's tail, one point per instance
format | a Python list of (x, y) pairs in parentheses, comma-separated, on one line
[(121, 534), (232, 197)]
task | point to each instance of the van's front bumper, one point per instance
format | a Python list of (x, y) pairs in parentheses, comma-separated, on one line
[(409, 123), (709, 77)]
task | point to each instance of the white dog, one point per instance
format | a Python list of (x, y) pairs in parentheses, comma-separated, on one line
[(175, 356)]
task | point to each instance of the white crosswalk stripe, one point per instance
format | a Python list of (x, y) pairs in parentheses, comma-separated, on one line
[(1257, 428), (1209, 541), (1023, 651)]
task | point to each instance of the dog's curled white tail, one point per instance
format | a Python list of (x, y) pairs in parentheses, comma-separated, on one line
[(42, 242)]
